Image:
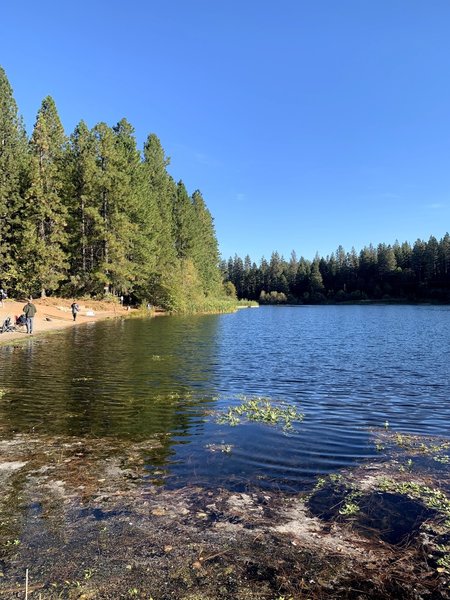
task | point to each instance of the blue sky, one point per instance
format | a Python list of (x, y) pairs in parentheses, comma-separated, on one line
[(305, 123)]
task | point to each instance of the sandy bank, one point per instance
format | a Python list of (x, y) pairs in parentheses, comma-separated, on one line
[(54, 314)]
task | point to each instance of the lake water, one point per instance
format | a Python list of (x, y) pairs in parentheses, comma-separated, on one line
[(349, 369)]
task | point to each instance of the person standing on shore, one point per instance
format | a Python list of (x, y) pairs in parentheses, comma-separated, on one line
[(29, 310), (75, 310)]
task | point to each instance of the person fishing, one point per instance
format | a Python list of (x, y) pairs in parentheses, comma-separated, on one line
[(29, 310), (75, 310)]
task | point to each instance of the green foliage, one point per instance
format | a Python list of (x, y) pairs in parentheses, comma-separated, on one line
[(350, 506), (401, 272), (261, 410), (91, 215), (14, 164), (272, 298), (43, 236)]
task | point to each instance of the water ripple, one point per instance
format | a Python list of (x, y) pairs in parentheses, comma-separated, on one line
[(347, 368)]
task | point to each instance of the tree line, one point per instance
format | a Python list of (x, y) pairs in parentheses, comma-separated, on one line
[(91, 214), (418, 272)]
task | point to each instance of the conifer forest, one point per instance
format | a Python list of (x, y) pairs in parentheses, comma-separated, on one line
[(401, 272), (89, 214)]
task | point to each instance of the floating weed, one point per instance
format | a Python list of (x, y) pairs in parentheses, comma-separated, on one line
[(224, 448), (321, 482), (261, 410), (173, 397), (442, 459), (408, 466), (350, 506), (349, 509), (156, 357), (88, 573), (415, 444), (444, 564), (418, 445)]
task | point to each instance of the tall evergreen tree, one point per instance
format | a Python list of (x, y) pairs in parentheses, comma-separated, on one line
[(13, 169), (159, 193), (83, 214), (44, 261), (133, 243), (184, 223), (206, 249)]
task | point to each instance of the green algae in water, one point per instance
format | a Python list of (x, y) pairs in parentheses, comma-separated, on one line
[(261, 410)]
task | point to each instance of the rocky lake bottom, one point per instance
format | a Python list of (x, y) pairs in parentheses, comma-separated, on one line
[(83, 519)]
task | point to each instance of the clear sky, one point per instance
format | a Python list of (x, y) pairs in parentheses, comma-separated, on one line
[(305, 123)]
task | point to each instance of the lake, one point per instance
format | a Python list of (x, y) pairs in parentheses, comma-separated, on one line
[(348, 369)]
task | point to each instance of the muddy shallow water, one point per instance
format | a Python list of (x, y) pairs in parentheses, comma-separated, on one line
[(85, 521)]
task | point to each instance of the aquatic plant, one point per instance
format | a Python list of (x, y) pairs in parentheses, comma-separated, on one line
[(415, 444), (444, 564), (349, 509), (224, 448), (419, 444), (261, 410)]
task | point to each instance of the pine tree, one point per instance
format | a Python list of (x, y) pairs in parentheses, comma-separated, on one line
[(205, 247), (83, 214), (184, 223), (159, 193), (316, 281), (44, 261), (131, 245), (386, 261), (444, 258), (13, 170)]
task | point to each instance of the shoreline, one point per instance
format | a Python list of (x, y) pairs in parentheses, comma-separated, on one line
[(54, 314), (105, 531)]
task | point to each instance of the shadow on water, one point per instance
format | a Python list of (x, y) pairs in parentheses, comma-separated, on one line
[(129, 379), (393, 518)]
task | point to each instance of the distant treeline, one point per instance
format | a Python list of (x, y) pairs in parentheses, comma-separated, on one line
[(90, 214), (400, 271)]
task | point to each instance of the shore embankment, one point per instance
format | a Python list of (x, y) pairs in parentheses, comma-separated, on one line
[(54, 314)]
